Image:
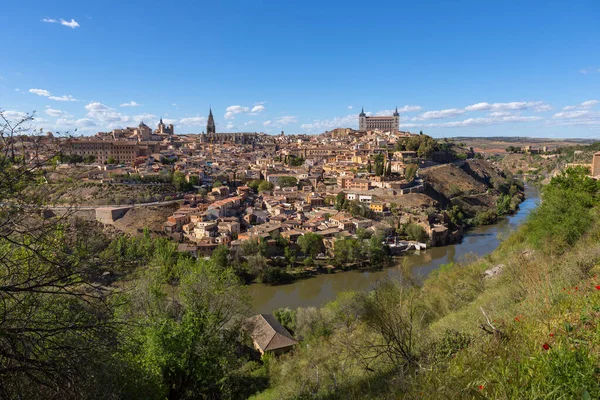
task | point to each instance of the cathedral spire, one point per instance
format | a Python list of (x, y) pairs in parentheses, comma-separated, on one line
[(210, 125)]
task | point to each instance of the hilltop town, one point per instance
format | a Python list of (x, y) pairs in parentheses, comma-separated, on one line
[(298, 195)]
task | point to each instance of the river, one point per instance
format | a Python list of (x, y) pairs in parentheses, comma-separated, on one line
[(318, 290)]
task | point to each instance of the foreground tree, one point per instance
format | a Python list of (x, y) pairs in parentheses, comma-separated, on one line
[(57, 319), (185, 340)]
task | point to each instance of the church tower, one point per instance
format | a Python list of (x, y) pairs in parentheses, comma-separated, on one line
[(396, 116), (210, 125), (362, 120)]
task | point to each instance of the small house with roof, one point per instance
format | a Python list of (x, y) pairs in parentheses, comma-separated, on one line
[(268, 335)]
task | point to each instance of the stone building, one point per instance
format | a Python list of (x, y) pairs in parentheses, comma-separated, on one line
[(211, 135), (163, 129), (381, 123), (121, 150)]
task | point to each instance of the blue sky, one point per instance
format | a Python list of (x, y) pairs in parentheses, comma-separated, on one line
[(453, 68)]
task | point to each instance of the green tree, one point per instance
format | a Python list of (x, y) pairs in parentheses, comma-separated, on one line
[(220, 256), (184, 344), (179, 181), (58, 322), (340, 201), (311, 244), (411, 171), (287, 181), (416, 232), (265, 186), (111, 160), (254, 184)]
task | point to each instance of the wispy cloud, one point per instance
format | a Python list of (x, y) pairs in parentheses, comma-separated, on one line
[(451, 112), (258, 108), (54, 113), (64, 97), (46, 93), (285, 120), (485, 121), (585, 104), (512, 106), (192, 121), (231, 111), (130, 104), (320, 125), (40, 92), (71, 24), (588, 70)]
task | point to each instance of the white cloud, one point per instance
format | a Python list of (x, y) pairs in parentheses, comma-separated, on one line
[(409, 108), (288, 119), (350, 107), (231, 111), (542, 108), (451, 112), (499, 114), (62, 123), (267, 123), (571, 114), (318, 126), (536, 106), (589, 103), (106, 114), (515, 105), (581, 116), (85, 122), (588, 70), (192, 121), (585, 105), (258, 108), (486, 121), (70, 24), (40, 92), (13, 115), (230, 125), (45, 93), (65, 97), (54, 113), (130, 104), (149, 118)]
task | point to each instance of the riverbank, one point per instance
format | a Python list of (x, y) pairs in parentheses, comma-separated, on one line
[(322, 288)]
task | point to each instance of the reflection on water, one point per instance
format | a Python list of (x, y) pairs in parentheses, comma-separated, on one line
[(322, 288)]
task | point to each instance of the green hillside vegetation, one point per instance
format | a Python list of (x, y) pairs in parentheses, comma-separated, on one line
[(529, 332)]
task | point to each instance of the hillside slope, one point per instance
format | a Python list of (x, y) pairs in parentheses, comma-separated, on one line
[(522, 322)]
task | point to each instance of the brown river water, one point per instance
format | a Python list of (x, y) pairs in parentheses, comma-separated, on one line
[(320, 289)]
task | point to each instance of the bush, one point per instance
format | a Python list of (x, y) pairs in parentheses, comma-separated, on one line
[(416, 232)]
